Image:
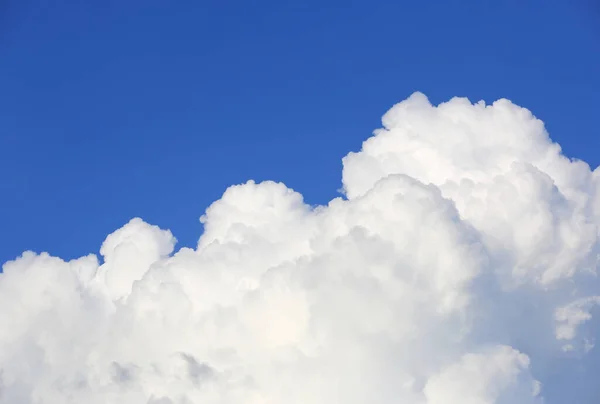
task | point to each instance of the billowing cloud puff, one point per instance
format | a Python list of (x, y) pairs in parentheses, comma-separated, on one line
[(460, 267)]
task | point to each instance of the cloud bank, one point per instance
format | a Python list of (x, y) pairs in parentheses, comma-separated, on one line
[(460, 268)]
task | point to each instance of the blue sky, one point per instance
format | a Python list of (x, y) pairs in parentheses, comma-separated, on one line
[(116, 109)]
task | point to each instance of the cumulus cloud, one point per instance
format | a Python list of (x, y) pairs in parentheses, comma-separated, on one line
[(460, 267)]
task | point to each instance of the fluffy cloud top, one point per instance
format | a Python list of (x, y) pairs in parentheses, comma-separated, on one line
[(460, 268)]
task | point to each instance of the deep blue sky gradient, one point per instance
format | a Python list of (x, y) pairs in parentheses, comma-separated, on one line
[(122, 108)]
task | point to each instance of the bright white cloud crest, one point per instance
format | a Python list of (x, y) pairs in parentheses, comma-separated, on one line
[(460, 269)]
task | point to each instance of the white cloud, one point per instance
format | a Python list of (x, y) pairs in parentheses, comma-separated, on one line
[(461, 268), (484, 378)]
